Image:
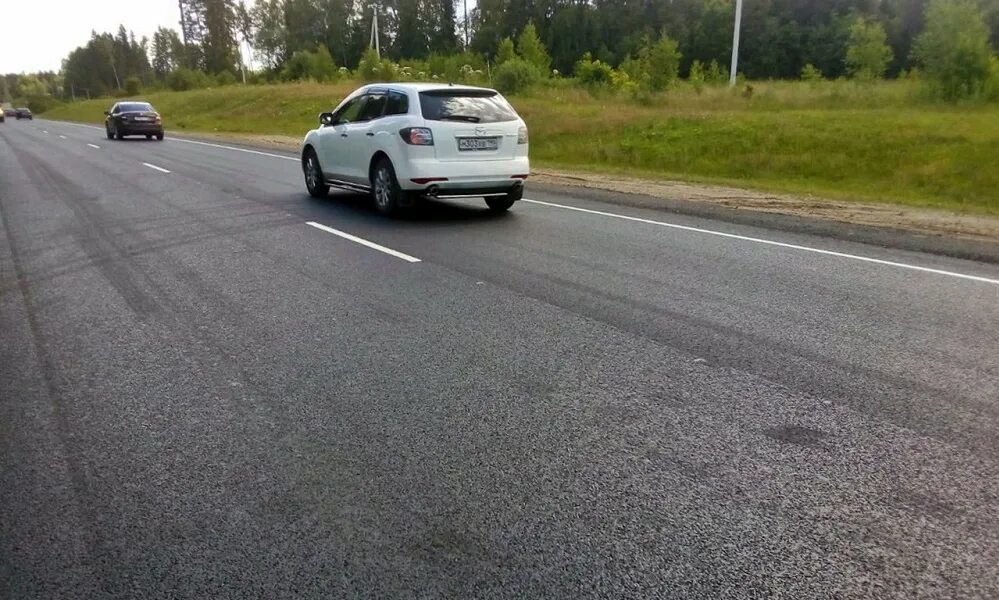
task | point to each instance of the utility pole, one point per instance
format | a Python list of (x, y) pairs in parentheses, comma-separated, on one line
[(466, 24), (374, 43), (733, 73), (110, 46)]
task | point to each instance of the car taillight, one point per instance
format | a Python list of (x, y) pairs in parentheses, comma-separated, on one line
[(522, 135), (417, 136)]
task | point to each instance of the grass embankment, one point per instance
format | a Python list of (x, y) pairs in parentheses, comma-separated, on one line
[(831, 139)]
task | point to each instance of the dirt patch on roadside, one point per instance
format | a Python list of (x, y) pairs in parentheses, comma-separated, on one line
[(926, 221), (902, 218)]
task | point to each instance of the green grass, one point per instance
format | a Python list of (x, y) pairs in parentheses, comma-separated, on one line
[(840, 140)]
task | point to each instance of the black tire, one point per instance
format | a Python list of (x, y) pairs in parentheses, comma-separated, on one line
[(313, 172), (107, 130), (385, 190), (502, 203), (159, 137), (149, 136), (118, 135)]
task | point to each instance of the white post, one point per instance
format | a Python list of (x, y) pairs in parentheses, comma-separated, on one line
[(735, 43), (374, 30)]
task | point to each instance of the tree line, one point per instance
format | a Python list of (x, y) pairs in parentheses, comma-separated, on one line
[(293, 39)]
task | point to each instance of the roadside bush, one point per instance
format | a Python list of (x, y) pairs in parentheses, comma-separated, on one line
[(954, 49), (456, 67), (697, 76), (594, 73), (225, 78), (811, 74), (184, 79), (371, 68), (317, 65), (716, 73), (39, 103), (516, 76), (662, 63), (867, 51), (505, 51), (530, 48), (133, 86)]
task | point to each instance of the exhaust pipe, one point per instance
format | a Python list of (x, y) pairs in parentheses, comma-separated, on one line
[(432, 191)]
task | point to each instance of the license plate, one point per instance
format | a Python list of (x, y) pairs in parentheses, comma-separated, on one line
[(478, 144), (143, 118)]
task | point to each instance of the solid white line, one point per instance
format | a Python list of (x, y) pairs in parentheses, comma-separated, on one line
[(62, 137), (769, 242), (365, 242), (160, 169), (224, 147), (45, 132), (94, 146)]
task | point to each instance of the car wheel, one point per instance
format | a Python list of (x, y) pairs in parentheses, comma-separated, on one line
[(118, 135), (107, 130), (159, 137), (501, 203), (314, 181), (385, 188), (149, 136)]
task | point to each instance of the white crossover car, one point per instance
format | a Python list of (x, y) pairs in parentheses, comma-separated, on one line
[(403, 141)]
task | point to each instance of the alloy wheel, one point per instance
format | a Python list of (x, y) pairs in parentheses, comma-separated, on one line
[(383, 188)]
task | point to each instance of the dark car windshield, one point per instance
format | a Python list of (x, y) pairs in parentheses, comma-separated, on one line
[(135, 107), (468, 106)]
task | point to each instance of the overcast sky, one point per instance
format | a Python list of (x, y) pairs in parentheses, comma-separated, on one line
[(35, 35)]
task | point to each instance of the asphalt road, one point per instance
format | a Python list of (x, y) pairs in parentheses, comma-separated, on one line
[(204, 396)]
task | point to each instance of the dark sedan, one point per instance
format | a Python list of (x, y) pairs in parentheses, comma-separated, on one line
[(133, 118), (24, 113)]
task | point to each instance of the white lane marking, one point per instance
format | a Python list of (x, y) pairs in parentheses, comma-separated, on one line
[(281, 156), (94, 146), (45, 132), (62, 137), (745, 238), (364, 242), (154, 167)]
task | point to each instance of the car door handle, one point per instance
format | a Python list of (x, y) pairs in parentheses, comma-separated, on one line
[(369, 134)]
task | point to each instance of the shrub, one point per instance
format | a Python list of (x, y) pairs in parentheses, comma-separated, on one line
[(184, 79), (716, 73), (516, 76), (455, 67), (505, 51), (867, 51), (133, 86), (530, 48), (697, 76), (318, 66), (371, 68), (811, 74), (662, 63), (594, 73), (225, 78), (954, 49)]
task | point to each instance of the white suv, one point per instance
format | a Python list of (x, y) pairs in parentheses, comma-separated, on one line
[(402, 141)]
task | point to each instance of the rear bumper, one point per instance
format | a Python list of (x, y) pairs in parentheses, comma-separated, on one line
[(140, 129), (472, 178)]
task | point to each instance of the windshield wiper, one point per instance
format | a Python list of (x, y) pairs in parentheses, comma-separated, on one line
[(466, 118)]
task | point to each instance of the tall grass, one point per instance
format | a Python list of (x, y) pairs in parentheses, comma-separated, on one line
[(874, 142)]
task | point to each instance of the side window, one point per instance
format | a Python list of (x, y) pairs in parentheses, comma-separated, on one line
[(373, 108), (350, 111), (115, 110), (398, 104)]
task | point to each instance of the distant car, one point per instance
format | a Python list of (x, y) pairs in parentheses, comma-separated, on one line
[(133, 118), (3, 114), (402, 141), (24, 113)]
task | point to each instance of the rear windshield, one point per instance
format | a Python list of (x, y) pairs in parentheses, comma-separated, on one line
[(135, 107), (468, 106)]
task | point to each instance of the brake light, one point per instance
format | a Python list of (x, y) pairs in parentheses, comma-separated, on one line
[(417, 136), (522, 135)]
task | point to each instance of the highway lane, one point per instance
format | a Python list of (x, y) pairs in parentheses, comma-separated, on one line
[(203, 395)]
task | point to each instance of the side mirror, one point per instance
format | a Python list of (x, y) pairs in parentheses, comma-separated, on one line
[(326, 118), (107, 113)]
